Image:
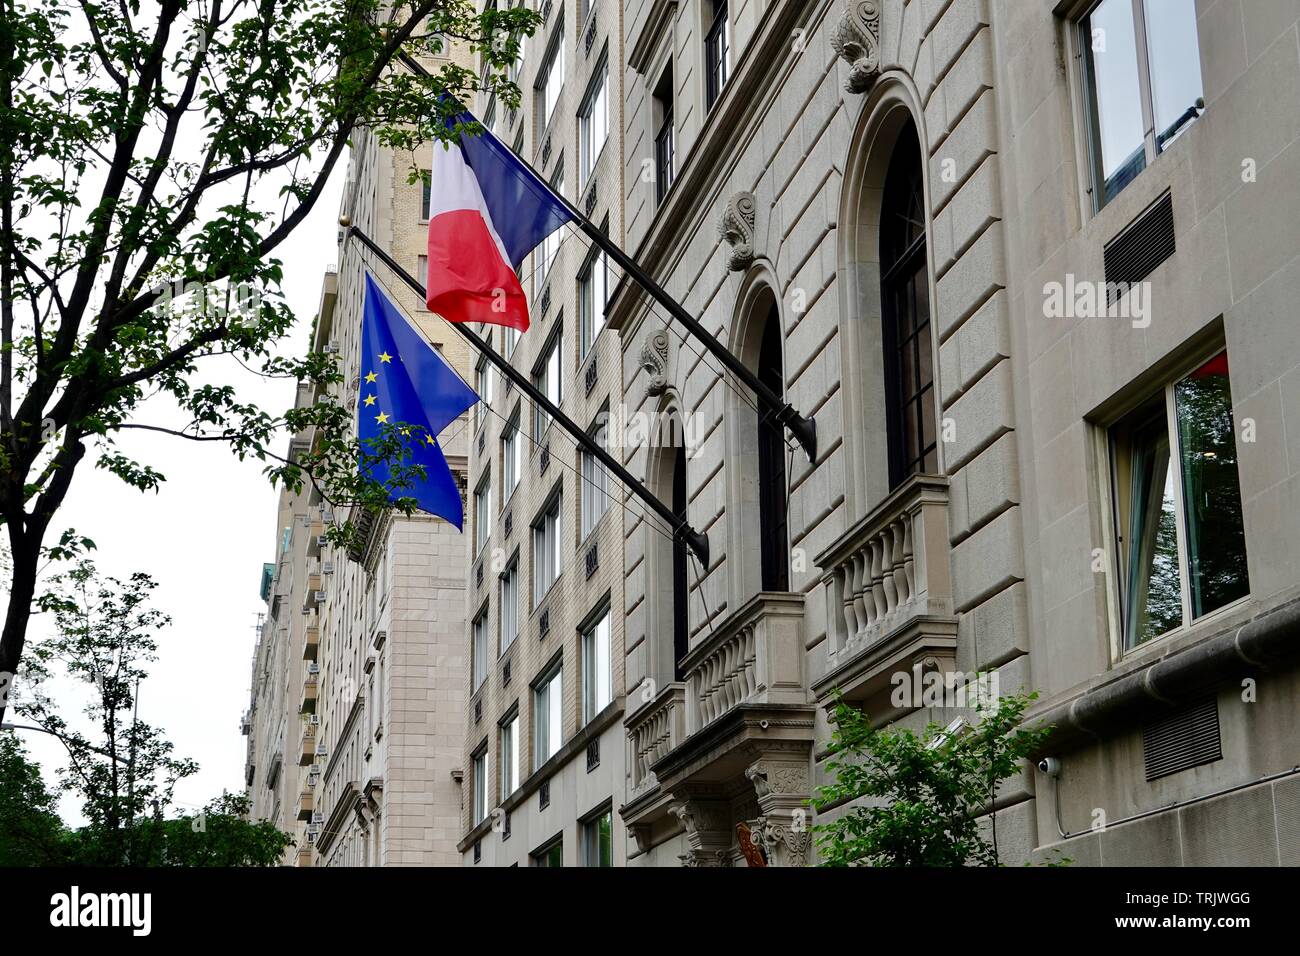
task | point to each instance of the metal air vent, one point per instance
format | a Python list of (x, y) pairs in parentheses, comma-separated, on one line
[(1140, 246), (1186, 738)]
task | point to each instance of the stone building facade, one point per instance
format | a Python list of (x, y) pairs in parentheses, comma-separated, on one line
[(906, 212), (544, 747)]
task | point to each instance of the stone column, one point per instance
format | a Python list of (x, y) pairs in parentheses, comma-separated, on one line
[(708, 829)]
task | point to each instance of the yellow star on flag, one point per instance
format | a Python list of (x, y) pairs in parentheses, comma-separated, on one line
[(385, 357), (381, 418), (370, 399), (371, 377)]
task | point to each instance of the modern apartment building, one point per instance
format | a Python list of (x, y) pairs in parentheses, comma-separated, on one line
[(544, 745), (1033, 268)]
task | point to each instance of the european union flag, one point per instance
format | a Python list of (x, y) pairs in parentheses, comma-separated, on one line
[(405, 382)]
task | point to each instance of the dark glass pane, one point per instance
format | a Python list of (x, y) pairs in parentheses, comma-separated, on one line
[(924, 359), (925, 402), (907, 383), (1216, 540), (605, 841), (911, 435), (1155, 603)]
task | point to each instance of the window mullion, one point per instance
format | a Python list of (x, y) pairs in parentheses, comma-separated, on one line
[(1144, 80)]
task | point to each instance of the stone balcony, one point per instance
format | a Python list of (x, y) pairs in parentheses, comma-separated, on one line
[(306, 804), (888, 586), (310, 689), (307, 748), (730, 744), (311, 637)]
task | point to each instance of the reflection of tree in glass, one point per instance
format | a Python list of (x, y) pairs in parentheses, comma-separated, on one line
[(1158, 601), (1216, 542)]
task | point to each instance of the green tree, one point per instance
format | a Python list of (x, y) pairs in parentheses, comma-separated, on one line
[(218, 835), (147, 152), (31, 833), (921, 795)]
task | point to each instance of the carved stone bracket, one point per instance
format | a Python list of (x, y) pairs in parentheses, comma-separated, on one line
[(654, 360), (783, 828), (856, 38), (784, 845), (708, 830), (736, 227)]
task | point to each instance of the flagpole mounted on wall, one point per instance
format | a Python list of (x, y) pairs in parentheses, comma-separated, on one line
[(697, 542), (802, 427)]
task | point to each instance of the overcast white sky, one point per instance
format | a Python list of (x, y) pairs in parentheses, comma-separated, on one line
[(204, 538)]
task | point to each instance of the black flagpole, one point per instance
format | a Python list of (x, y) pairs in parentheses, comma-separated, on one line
[(681, 528), (804, 429)]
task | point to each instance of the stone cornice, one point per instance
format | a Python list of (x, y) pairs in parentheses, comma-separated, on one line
[(662, 12)]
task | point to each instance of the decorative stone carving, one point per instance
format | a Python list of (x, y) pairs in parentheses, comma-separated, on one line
[(777, 779), (782, 845), (708, 830), (749, 847), (856, 38), (703, 858), (736, 227), (654, 359), (641, 834)]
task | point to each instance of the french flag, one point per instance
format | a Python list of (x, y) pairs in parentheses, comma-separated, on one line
[(487, 211)]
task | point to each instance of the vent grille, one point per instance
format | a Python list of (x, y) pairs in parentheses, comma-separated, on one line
[(591, 376), (593, 560), (544, 795), (544, 622), (505, 673), (593, 755), (1140, 246), (1189, 737), (478, 851), (510, 522)]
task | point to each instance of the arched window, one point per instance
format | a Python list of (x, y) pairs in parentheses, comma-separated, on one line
[(905, 310), (775, 556)]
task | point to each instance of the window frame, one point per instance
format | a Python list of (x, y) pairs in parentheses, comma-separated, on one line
[(554, 348), (587, 649), (554, 53), (1117, 572), (597, 91), (588, 328), (478, 649), (550, 513), (483, 513), (510, 725), (511, 571), (480, 810), (717, 36), (1091, 170), (592, 822), (589, 516), (512, 455), (547, 707)]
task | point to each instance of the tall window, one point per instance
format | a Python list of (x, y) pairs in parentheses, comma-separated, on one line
[(1178, 516), (548, 714), (905, 309), (551, 80), (593, 126), (1142, 75), (422, 269), (550, 246), (772, 506), (546, 550), (482, 513), (546, 376), (510, 756), (664, 149), (593, 295), (508, 612), (717, 43), (483, 386), (480, 809), (597, 678), (426, 194), (595, 481), (479, 649), (512, 457), (597, 840)]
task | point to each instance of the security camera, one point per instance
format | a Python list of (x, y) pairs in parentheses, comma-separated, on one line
[(1050, 766)]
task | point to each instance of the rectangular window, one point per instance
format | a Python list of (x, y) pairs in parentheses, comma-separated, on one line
[(550, 246), (546, 550), (597, 839), (510, 756), (595, 482), (1142, 78), (548, 715), (508, 612), (664, 149), (512, 457), (479, 649), (480, 809), (717, 45), (551, 855), (546, 376), (1177, 502), (483, 387), (593, 127), (422, 269), (551, 81), (482, 513), (597, 679), (593, 296), (426, 193)]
